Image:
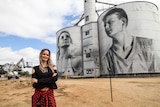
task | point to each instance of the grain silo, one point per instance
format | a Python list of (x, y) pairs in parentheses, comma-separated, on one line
[(98, 48)]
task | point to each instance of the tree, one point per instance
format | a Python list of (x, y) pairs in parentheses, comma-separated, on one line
[(2, 71)]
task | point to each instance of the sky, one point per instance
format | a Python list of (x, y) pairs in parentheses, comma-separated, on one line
[(27, 26)]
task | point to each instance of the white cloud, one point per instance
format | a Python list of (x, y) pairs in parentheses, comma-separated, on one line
[(39, 19), (28, 54)]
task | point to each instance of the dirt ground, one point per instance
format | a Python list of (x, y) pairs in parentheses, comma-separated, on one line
[(92, 92)]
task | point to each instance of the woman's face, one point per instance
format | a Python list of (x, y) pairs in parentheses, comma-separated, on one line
[(45, 56), (113, 25)]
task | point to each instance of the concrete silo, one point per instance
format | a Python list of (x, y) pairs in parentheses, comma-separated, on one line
[(91, 42), (144, 24)]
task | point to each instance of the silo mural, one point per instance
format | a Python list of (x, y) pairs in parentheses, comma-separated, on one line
[(124, 39), (69, 52), (128, 38)]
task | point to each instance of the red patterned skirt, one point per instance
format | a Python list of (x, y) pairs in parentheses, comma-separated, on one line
[(43, 98)]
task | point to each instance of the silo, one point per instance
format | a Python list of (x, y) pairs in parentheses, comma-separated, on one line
[(90, 43), (143, 22), (90, 13), (90, 47)]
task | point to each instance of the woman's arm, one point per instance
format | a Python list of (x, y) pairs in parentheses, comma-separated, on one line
[(44, 82), (49, 80), (34, 80)]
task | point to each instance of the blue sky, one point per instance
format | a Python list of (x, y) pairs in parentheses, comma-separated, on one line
[(27, 26), (18, 43)]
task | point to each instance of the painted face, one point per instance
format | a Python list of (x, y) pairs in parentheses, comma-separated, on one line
[(45, 55), (64, 39), (113, 25)]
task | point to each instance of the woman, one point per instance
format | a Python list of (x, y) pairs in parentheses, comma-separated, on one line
[(44, 77)]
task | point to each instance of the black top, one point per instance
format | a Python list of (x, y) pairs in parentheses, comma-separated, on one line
[(45, 79)]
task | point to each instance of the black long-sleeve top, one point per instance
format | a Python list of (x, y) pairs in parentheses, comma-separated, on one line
[(45, 79)]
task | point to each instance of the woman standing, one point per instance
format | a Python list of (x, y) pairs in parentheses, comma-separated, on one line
[(44, 77)]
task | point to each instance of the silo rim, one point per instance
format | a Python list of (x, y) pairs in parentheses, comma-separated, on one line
[(127, 3), (138, 1)]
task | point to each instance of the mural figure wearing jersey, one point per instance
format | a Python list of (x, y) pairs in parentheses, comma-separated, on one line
[(128, 54)]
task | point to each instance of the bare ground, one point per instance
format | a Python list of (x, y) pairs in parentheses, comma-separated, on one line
[(92, 92)]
